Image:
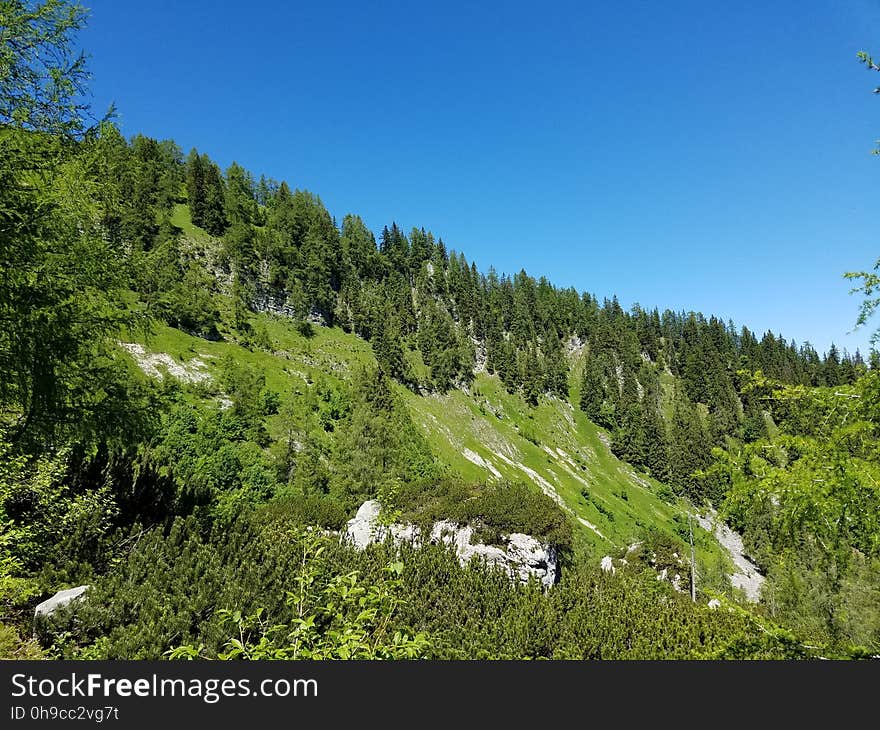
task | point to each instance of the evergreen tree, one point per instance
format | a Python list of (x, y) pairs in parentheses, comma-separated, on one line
[(378, 446), (610, 411), (628, 438), (395, 248), (555, 367), (830, 375), (141, 193), (214, 216), (359, 249), (656, 443), (531, 377), (265, 190), (239, 249), (388, 349), (195, 188), (754, 426), (592, 388), (240, 205), (689, 449), (242, 298)]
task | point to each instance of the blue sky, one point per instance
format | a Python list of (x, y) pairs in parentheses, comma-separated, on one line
[(684, 155)]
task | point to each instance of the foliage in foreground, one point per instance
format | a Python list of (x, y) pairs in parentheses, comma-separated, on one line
[(272, 590), (808, 503)]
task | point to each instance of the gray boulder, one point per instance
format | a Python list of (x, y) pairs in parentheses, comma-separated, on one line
[(62, 598), (364, 527), (533, 558)]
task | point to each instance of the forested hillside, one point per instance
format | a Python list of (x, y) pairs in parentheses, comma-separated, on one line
[(203, 374), (433, 320)]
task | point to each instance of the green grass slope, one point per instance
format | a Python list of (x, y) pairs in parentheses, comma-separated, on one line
[(490, 434), (481, 434)]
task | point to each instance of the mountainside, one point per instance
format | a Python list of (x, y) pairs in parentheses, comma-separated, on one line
[(482, 433), (219, 376), (234, 428)]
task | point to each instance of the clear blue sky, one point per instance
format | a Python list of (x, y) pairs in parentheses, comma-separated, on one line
[(689, 155)]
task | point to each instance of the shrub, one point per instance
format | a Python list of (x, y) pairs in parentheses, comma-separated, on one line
[(305, 509), (193, 590), (501, 507)]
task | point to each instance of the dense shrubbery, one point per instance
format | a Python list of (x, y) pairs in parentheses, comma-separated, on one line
[(185, 588), (496, 508), (306, 509)]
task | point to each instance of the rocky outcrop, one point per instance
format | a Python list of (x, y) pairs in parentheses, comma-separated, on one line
[(522, 556), (364, 528), (158, 364), (275, 301), (62, 598), (747, 577)]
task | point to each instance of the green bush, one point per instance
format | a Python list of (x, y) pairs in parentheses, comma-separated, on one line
[(501, 507), (305, 509), (197, 590)]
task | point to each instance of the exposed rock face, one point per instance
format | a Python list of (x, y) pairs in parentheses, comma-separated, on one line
[(276, 301), (157, 364), (523, 557), (273, 303), (62, 598), (480, 355), (747, 576)]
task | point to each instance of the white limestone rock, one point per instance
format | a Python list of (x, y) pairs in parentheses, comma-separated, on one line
[(747, 576), (523, 557), (62, 598), (362, 529)]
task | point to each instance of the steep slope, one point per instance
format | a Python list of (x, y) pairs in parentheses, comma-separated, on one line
[(481, 434)]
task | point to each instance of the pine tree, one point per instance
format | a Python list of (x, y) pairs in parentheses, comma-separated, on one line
[(214, 217), (754, 426), (310, 473), (723, 408), (610, 412), (195, 188), (656, 442), (395, 248), (847, 370), (555, 367), (141, 194), (389, 350), (505, 364), (628, 439), (242, 297), (592, 388), (265, 190), (532, 377), (359, 248), (240, 205), (689, 449)]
